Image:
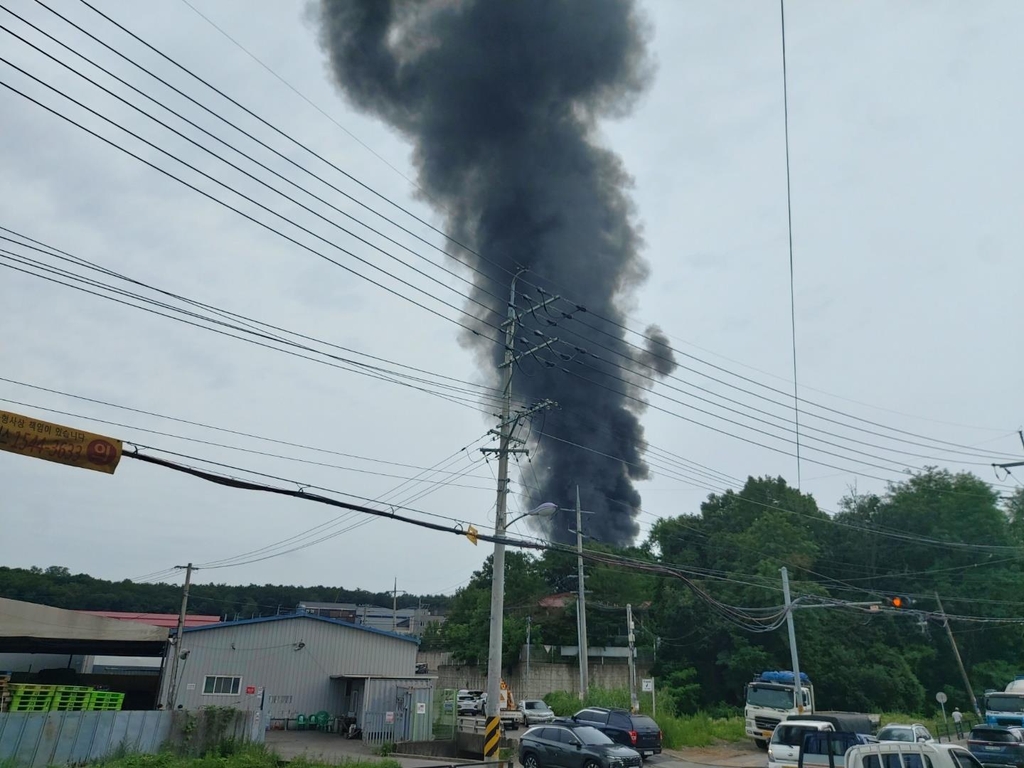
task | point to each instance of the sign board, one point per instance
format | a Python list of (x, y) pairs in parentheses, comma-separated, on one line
[(389, 717), (421, 707), (63, 445), (940, 697), (250, 690), (190, 687), (647, 685)]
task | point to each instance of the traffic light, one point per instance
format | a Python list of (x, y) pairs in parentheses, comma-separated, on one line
[(898, 601)]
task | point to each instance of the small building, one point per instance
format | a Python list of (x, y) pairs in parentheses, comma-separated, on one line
[(301, 664)]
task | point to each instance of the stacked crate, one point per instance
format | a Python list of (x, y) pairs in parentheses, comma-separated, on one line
[(5, 693), (106, 701), (71, 698), (31, 698)]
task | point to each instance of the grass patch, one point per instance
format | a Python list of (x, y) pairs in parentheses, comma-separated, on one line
[(697, 730), (253, 756)]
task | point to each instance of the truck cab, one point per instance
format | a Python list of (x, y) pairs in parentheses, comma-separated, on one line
[(770, 699), (787, 741), (1005, 708)]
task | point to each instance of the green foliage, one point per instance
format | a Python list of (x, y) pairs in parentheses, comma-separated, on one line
[(58, 587), (253, 756)]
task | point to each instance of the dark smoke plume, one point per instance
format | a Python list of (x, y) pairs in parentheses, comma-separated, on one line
[(500, 99)]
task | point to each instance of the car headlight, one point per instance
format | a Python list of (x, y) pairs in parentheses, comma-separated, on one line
[(771, 755)]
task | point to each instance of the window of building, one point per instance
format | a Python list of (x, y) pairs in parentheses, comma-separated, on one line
[(280, 699), (222, 685)]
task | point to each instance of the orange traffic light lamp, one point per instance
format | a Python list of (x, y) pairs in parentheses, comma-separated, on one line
[(898, 601)]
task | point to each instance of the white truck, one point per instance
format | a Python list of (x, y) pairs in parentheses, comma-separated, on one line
[(771, 699), (1006, 707)]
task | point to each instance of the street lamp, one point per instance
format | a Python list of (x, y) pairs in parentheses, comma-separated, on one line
[(493, 706)]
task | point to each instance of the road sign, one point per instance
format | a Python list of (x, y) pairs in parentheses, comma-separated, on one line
[(647, 685), (63, 445), (940, 697)]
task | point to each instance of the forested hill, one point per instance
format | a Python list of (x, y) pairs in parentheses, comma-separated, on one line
[(58, 587), (709, 609)]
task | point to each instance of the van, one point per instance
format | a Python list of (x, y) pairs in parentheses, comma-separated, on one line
[(788, 737), (827, 749), (897, 754)]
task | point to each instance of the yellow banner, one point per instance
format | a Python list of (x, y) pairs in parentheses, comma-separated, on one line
[(63, 445)]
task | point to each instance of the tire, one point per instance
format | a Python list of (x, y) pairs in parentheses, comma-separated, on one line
[(760, 743), (591, 764), (530, 761)]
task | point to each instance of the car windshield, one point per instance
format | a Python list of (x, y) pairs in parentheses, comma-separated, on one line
[(896, 733), (998, 703), (791, 735), (540, 706), (991, 734), (776, 698), (591, 736)]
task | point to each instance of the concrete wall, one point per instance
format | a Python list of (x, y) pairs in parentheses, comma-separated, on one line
[(544, 678), (292, 660)]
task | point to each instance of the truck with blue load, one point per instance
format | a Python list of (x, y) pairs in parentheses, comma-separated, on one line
[(771, 697)]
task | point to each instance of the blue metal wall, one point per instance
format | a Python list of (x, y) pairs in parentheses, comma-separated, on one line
[(41, 739)]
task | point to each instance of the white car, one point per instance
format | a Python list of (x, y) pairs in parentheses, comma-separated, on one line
[(788, 737), (535, 711), (910, 733), (901, 754)]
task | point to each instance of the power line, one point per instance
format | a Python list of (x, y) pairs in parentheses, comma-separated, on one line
[(383, 197)]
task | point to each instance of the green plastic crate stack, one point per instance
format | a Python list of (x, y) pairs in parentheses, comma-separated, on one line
[(71, 698), (31, 698), (106, 701)]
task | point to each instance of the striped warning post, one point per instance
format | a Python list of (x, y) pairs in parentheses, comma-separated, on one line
[(492, 737)]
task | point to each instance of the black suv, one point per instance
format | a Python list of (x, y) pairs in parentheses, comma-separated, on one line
[(636, 731), (571, 745)]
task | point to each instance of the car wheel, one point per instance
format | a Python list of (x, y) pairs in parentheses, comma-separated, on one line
[(530, 761), (591, 764)]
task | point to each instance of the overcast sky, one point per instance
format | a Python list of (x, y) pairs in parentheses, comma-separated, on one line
[(907, 230)]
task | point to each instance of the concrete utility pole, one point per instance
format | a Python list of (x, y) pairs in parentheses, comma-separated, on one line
[(505, 432), (581, 604), (798, 689), (634, 702), (172, 688), (959, 661), (526, 684), (394, 607)]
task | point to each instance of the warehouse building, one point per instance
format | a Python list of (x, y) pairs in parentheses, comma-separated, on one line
[(301, 664)]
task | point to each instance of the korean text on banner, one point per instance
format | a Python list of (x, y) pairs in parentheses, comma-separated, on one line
[(63, 445)]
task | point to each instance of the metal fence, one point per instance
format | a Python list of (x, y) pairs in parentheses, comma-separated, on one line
[(384, 728), (42, 739)]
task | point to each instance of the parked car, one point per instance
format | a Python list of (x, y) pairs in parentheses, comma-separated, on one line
[(895, 754), (535, 711), (636, 731), (826, 749), (788, 738), (911, 733), (997, 745), (572, 745), (470, 703)]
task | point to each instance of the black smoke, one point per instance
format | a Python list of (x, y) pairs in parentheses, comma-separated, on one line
[(500, 99)]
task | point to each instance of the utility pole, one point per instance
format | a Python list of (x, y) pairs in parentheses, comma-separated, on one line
[(394, 608), (505, 432), (956, 652), (172, 688), (529, 626), (581, 604), (634, 702), (798, 689)]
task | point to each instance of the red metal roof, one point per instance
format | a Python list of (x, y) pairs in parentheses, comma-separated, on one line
[(169, 620)]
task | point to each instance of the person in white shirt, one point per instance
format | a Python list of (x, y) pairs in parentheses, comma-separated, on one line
[(958, 722)]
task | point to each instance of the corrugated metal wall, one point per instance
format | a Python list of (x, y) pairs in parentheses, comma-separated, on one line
[(294, 680), (40, 739)]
